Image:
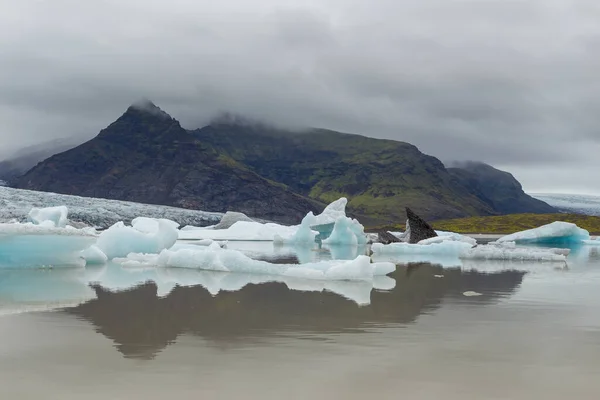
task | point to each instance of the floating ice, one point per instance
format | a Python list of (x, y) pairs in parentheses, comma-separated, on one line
[(52, 217), (555, 233), (303, 236), (242, 230), (27, 245), (347, 231), (120, 240), (443, 248), (449, 236), (215, 258), (332, 212), (94, 256), (510, 252)]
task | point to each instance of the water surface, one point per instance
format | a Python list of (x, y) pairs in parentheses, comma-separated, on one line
[(130, 335)]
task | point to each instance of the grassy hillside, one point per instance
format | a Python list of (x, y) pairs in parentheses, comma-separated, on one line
[(506, 224)]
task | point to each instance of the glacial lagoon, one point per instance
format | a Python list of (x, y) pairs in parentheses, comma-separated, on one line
[(473, 330)]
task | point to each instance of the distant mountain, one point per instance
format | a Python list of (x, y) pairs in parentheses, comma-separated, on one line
[(499, 189), (238, 164), (26, 158), (146, 156)]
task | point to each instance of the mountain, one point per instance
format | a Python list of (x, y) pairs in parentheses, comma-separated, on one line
[(146, 156), (272, 173), (26, 158), (499, 189)]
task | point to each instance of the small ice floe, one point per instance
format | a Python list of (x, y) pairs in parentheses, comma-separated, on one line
[(470, 293)]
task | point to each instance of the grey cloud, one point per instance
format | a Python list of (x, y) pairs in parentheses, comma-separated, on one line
[(512, 83)]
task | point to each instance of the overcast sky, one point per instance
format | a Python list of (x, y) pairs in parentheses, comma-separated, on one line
[(512, 83)]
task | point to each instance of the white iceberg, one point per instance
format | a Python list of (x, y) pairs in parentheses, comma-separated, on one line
[(31, 246), (347, 231), (94, 256), (555, 233), (332, 212), (303, 236), (510, 252), (215, 258), (242, 230), (52, 217), (143, 237), (443, 248)]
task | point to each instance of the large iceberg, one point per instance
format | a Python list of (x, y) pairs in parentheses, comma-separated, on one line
[(145, 236), (28, 245), (555, 233), (332, 212)]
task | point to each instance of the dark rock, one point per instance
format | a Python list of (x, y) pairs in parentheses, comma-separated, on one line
[(419, 229), (387, 238)]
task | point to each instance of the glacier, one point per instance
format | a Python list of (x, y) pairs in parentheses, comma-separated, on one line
[(15, 204), (556, 233)]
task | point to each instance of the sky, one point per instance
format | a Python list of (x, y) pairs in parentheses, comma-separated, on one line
[(513, 83)]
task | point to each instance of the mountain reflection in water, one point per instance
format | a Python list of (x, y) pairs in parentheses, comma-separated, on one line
[(141, 324)]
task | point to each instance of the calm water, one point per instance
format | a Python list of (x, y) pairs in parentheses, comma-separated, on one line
[(533, 333)]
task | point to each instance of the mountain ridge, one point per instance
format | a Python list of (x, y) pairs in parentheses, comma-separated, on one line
[(264, 171)]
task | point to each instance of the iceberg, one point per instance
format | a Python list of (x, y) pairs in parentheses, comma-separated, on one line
[(555, 233), (347, 231), (332, 212), (52, 217), (510, 252), (214, 258), (94, 256), (303, 236), (450, 248), (144, 236), (242, 230), (34, 246)]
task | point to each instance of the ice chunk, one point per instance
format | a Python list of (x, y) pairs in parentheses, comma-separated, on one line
[(120, 240), (215, 258), (33, 246), (303, 236), (242, 230), (52, 217), (346, 231), (231, 218), (94, 256), (444, 248), (332, 212), (511, 253), (555, 233), (449, 236)]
